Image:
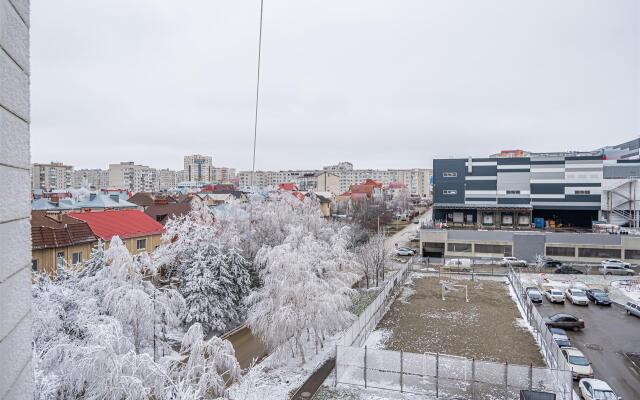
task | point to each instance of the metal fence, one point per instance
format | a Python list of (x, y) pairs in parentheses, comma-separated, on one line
[(550, 348), (357, 333), (445, 376)]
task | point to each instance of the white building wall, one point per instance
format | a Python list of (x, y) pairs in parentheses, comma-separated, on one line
[(16, 378)]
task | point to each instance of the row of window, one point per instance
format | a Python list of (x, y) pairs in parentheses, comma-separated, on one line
[(505, 249), (76, 257), (559, 251)]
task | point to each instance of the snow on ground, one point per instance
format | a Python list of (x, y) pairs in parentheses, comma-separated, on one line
[(408, 289), (377, 339), (524, 323), (614, 286), (273, 380), (346, 392)]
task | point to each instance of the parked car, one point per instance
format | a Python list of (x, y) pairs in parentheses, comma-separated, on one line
[(513, 261), (554, 295), (577, 296), (599, 297), (560, 337), (405, 251), (564, 321), (548, 262), (615, 261), (632, 309), (580, 366), (534, 294), (595, 389), (462, 264), (565, 269), (616, 269)]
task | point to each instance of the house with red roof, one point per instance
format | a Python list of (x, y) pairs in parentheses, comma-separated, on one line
[(288, 186), (138, 231)]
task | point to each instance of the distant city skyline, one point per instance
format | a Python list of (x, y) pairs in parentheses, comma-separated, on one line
[(373, 84)]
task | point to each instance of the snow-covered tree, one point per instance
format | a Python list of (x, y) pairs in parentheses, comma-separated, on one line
[(203, 368), (214, 276), (372, 258), (305, 293)]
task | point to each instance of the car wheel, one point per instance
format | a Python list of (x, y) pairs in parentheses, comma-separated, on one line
[(575, 328), (628, 312), (607, 273)]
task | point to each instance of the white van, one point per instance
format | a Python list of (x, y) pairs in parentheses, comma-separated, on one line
[(463, 264)]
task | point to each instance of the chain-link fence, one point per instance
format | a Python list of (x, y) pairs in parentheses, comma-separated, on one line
[(357, 333), (445, 376)]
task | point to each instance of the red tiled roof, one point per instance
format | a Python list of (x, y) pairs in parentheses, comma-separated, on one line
[(124, 223), (396, 185), (289, 186), (49, 233)]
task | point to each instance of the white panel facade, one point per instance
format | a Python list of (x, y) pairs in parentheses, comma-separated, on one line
[(16, 379)]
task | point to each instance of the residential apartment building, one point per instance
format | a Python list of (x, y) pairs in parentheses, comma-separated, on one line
[(223, 174), (198, 168), (133, 177), (416, 180), (52, 176), (319, 182), (167, 179), (16, 379), (95, 178)]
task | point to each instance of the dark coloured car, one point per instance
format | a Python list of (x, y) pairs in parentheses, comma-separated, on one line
[(565, 269), (549, 262), (564, 321), (560, 337), (599, 297), (534, 294)]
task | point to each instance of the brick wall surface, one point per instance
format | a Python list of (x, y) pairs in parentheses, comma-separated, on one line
[(16, 379)]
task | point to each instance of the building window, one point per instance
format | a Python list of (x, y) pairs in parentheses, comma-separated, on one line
[(459, 247), (583, 192), (561, 251), (449, 191), (76, 258), (141, 244), (632, 254), (494, 249), (449, 174), (513, 192), (599, 253), (34, 265)]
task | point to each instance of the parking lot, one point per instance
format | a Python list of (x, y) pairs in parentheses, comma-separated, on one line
[(609, 335)]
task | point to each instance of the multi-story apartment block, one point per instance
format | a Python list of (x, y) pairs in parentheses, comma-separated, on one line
[(198, 168), (52, 176), (167, 179), (416, 180), (94, 178), (223, 174), (133, 177), (319, 182)]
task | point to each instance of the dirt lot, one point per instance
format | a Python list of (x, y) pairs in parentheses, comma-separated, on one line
[(485, 328)]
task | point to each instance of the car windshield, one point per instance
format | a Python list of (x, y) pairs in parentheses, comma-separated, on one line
[(600, 294), (534, 291), (577, 292), (604, 395), (558, 317), (578, 360), (556, 292)]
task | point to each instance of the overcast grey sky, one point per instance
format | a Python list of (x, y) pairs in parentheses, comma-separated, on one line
[(384, 84)]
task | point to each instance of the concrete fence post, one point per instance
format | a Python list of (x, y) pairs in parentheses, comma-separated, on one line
[(473, 378), (506, 380), (401, 370), (365, 367), (437, 374)]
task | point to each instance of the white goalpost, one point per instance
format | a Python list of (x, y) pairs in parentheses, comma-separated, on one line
[(448, 287)]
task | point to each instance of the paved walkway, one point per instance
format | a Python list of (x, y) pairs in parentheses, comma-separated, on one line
[(248, 348)]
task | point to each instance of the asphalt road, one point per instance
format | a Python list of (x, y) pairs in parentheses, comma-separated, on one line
[(609, 333)]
